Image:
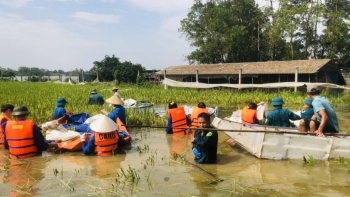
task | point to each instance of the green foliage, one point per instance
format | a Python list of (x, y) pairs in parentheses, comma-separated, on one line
[(110, 68), (140, 80)]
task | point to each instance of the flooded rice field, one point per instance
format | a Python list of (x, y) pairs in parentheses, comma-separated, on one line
[(157, 164)]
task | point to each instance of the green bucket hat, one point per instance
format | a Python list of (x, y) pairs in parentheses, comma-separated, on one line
[(60, 102), (308, 101), (20, 110), (277, 101)]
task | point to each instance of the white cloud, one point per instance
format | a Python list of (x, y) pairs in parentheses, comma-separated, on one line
[(163, 5), (96, 18), (109, 1), (15, 3), (76, 1)]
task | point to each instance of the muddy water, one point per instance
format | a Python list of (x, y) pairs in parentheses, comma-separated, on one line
[(151, 158)]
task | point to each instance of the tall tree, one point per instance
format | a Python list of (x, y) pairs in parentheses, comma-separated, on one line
[(222, 31)]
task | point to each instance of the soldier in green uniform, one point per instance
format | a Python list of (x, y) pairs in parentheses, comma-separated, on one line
[(95, 99), (278, 116)]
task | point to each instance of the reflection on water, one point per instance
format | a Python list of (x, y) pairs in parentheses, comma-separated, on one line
[(152, 158)]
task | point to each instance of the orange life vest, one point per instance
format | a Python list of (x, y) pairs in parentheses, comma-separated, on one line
[(121, 126), (106, 143), (248, 115), (1, 130), (194, 116), (178, 119), (20, 138)]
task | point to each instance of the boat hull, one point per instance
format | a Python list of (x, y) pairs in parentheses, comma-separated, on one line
[(281, 145)]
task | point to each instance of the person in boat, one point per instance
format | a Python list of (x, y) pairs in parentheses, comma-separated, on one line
[(177, 118), (324, 118), (104, 140), (60, 110), (278, 116), (95, 98), (201, 108), (249, 114), (23, 138), (6, 111), (308, 110), (115, 92), (119, 110), (205, 142)]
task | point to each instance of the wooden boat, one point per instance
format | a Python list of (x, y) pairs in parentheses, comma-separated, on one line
[(288, 145)]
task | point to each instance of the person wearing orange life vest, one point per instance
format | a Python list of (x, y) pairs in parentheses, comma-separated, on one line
[(22, 137), (201, 108), (249, 114), (6, 111), (177, 118), (104, 140)]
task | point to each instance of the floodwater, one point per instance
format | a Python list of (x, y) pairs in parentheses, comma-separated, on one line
[(156, 164), (152, 168)]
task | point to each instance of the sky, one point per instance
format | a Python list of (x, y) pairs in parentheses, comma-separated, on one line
[(70, 34)]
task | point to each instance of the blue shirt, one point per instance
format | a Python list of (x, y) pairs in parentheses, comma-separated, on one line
[(89, 149), (307, 113), (280, 117), (59, 112), (39, 139), (118, 112), (320, 103), (96, 99)]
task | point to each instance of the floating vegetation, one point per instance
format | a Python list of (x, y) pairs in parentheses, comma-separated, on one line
[(310, 160)]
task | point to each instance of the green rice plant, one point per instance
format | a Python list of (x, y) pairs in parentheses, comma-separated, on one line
[(310, 160)]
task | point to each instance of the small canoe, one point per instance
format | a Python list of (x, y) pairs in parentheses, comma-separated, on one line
[(131, 103), (283, 145)]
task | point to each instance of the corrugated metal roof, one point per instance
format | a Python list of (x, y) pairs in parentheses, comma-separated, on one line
[(272, 67)]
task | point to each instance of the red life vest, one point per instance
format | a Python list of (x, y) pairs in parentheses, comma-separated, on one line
[(106, 143), (178, 119), (194, 116), (1, 130), (20, 138), (248, 115)]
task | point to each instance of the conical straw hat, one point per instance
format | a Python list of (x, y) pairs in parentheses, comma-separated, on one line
[(103, 125), (115, 100)]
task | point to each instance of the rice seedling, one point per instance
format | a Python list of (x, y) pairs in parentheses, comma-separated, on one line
[(310, 160), (40, 98)]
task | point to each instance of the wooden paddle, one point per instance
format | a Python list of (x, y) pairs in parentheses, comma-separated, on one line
[(243, 131)]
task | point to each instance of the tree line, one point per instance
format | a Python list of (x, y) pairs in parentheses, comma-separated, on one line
[(227, 31), (108, 69)]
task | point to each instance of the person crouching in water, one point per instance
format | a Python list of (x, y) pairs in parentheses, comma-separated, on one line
[(205, 142), (119, 110), (104, 140), (60, 110), (177, 118), (22, 137), (201, 108), (278, 116), (6, 111)]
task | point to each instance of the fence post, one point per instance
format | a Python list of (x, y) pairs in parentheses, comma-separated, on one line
[(165, 85), (296, 78)]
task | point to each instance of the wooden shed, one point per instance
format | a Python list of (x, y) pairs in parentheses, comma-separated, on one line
[(310, 71)]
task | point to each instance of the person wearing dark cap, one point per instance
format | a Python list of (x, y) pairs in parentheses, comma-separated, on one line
[(23, 137), (278, 116), (325, 118), (95, 99), (6, 111), (60, 111)]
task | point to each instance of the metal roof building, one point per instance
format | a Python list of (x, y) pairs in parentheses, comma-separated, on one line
[(314, 70)]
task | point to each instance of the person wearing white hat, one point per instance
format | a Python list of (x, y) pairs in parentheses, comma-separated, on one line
[(104, 140), (119, 110), (324, 118)]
